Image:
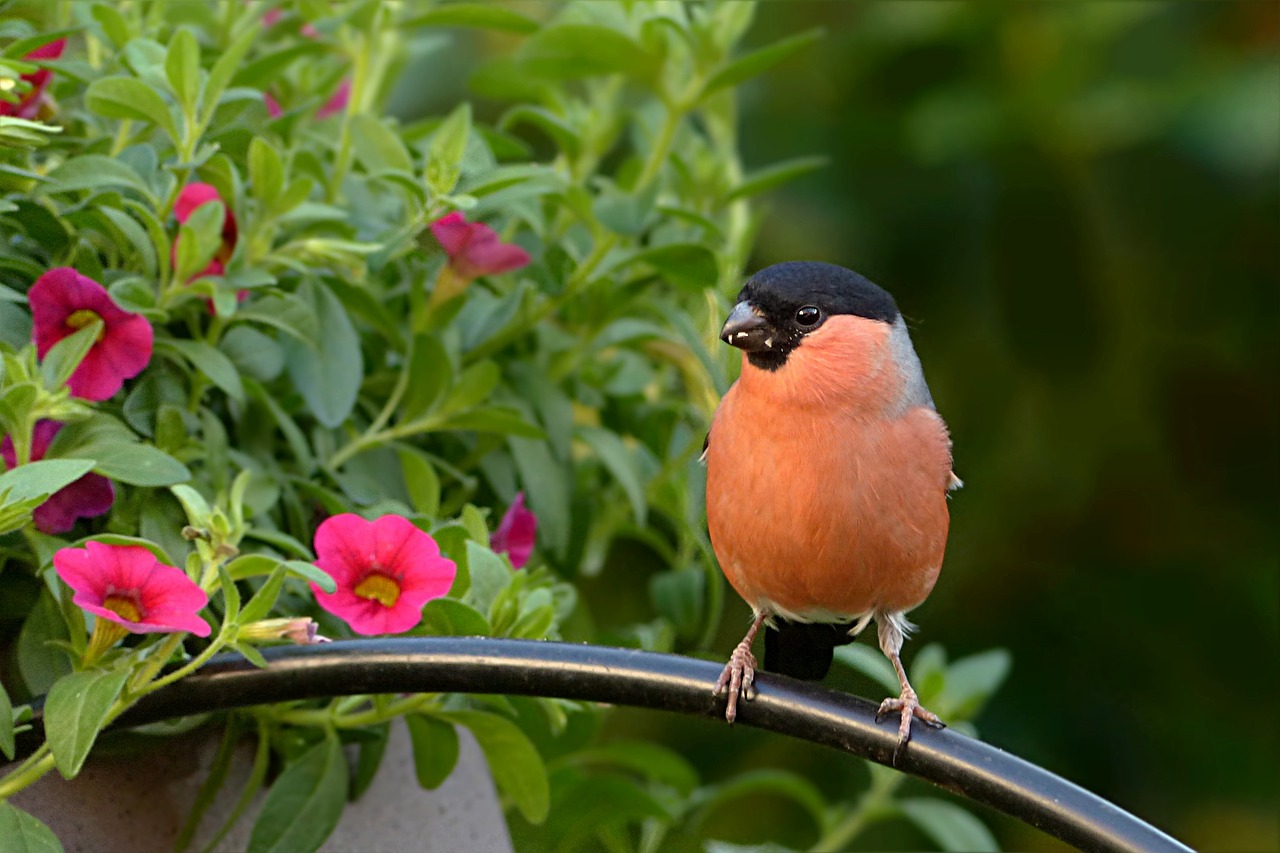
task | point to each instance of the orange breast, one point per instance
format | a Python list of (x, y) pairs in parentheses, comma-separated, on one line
[(827, 512)]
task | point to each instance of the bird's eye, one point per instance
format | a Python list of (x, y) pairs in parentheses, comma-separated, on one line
[(809, 315)]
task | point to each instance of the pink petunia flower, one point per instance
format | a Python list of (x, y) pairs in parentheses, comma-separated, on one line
[(337, 101), (62, 302), (127, 585), (474, 248), (28, 106), (272, 105), (386, 570), (516, 533), (90, 496), (192, 197)]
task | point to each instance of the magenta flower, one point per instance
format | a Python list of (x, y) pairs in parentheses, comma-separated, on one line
[(516, 533), (28, 106), (62, 302), (192, 197), (90, 496), (273, 106), (474, 248), (337, 101), (386, 570), (129, 586)]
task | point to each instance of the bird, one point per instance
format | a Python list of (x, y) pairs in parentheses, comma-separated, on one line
[(828, 470)]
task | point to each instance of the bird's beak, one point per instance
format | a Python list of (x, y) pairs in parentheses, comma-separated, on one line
[(747, 330)]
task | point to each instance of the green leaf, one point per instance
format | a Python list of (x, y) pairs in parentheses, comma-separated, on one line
[(288, 313), (7, 744), (266, 171), (311, 572), (265, 598), (372, 748), (758, 61), (516, 766), (304, 804), (127, 98), (35, 481), (678, 595), (113, 24), (421, 480), (479, 15), (970, 681), (621, 463), (75, 711), (773, 176), (94, 171), (951, 827), (871, 663), (430, 373), (546, 485), (22, 833), (377, 146), (449, 617), (473, 385), (585, 50), (40, 662), (65, 356), (199, 239), (223, 70), (502, 421), (753, 782), (489, 576), (565, 135), (650, 760), (215, 366), (435, 749), (230, 595), (328, 373), (448, 144), (182, 68), (687, 264), (141, 465)]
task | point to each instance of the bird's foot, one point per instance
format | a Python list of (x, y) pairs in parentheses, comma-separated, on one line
[(909, 706), (738, 679)]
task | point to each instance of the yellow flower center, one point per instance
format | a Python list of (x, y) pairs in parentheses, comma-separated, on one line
[(379, 588), (79, 319), (123, 607)]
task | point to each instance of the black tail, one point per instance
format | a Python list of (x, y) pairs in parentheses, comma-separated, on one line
[(804, 649)]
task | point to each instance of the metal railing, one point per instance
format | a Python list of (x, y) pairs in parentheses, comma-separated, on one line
[(946, 758)]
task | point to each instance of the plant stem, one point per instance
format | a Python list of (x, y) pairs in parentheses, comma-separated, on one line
[(28, 773), (328, 717), (870, 808)]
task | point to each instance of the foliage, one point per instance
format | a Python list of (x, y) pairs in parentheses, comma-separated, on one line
[(230, 173)]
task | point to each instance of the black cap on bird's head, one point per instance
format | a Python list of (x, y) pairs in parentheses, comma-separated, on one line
[(778, 306)]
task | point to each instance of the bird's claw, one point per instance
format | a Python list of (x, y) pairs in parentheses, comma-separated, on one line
[(738, 678), (908, 704)]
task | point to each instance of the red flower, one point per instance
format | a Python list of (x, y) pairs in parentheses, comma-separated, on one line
[(62, 302), (87, 497), (386, 570), (516, 533), (28, 106), (474, 248), (129, 586), (192, 197)]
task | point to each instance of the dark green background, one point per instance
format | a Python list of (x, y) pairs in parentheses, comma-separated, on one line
[(1076, 206)]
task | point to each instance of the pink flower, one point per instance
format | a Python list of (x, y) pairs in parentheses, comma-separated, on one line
[(90, 496), (273, 106), (338, 101), (386, 570), (516, 533), (474, 248), (28, 106), (192, 197), (62, 302), (128, 585)]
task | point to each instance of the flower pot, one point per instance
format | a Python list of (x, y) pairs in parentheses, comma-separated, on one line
[(139, 803)]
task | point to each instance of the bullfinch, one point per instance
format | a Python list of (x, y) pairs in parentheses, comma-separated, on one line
[(827, 476)]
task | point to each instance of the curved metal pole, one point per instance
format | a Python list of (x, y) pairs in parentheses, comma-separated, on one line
[(944, 757)]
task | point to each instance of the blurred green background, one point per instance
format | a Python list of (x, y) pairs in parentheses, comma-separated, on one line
[(1077, 207)]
